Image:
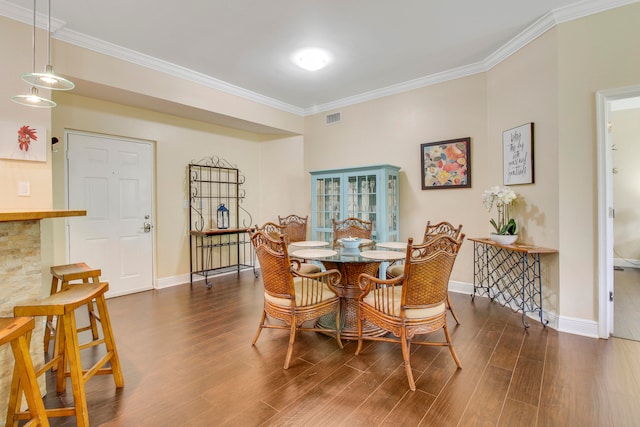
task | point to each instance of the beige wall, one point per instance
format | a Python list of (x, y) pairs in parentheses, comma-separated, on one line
[(114, 74), (551, 82), (177, 142), (390, 130), (595, 53), (282, 187), (15, 49), (626, 191), (521, 89)]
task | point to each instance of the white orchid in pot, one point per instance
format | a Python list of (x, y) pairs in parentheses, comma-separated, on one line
[(505, 226)]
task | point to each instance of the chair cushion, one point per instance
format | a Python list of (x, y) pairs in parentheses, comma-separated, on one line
[(297, 285), (395, 270), (308, 268), (411, 313)]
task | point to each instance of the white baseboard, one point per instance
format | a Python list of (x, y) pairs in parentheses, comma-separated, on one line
[(571, 325), (167, 282), (181, 279), (461, 287)]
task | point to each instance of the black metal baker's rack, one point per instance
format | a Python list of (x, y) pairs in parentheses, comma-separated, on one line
[(214, 182)]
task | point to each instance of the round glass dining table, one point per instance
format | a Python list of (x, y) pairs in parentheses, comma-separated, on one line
[(350, 263)]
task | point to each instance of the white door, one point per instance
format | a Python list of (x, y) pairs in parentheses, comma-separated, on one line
[(112, 179)]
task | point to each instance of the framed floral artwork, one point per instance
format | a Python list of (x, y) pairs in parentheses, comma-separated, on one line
[(446, 164), (23, 142)]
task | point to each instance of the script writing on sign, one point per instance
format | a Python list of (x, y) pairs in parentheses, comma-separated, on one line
[(518, 155)]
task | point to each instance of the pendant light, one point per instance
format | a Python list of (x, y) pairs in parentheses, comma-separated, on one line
[(48, 79), (32, 99)]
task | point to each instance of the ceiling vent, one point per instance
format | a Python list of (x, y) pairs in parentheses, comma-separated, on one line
[(333, 118)]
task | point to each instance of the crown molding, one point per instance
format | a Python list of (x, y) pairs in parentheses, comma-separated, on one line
[(586, 8), (59, 32), (456, 73), (529, 34), (535, 30), (549, 21), (21, 14), (119, 52)]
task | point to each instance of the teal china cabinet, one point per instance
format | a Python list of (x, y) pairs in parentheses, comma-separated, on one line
[(370, 193)]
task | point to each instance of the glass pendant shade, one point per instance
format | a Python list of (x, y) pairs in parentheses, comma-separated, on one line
[(32, 99), (48, 80)]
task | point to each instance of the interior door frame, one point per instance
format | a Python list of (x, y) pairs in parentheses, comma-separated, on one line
[(604, 99), (153, 190)]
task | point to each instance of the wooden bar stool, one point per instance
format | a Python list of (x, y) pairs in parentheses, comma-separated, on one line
[(63, 276), (17, 331), (63, 305)]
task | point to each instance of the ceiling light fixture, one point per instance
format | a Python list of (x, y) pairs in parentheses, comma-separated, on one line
[(311, 59), (32, 99), (48, 79)]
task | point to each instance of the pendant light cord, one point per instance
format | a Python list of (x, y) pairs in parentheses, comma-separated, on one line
[(49, 33), (33, 40)]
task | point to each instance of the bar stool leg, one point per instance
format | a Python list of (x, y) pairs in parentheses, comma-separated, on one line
[(93, 317), (24, 380), (72, 351), (67, 359), (48, 326), (109, 341)]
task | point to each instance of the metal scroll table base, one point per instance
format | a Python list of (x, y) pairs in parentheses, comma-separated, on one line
[(510, 275)]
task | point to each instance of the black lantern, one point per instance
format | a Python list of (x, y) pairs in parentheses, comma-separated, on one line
[(223, 216)]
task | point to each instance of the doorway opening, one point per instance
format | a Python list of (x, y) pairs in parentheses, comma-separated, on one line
[(607, 103)]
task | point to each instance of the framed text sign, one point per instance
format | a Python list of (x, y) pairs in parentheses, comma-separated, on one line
[(517, 155)]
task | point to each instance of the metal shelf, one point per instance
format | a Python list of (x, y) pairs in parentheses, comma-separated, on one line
[(212, 182)]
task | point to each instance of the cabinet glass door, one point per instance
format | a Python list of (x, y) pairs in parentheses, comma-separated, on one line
[(392, 207), (369, 193), (327, 205), (361, 197)]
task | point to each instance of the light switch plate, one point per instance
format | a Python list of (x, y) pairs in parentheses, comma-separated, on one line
[(24, 188)]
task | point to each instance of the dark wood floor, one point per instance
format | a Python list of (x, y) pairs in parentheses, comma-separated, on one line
[(188, 361)]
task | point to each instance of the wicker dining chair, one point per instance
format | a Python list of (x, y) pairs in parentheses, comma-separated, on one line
[(295, 226), (275, 231), (431, 231), (443, 227), (413, 303), (352, 227), (291, 296)]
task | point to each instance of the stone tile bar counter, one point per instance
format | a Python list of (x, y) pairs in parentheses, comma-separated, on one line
[(20, 280)]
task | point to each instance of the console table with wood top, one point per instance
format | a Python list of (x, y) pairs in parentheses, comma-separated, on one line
[(510, 275)]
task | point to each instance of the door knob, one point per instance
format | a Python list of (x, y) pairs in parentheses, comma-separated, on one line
[(147, 227)]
